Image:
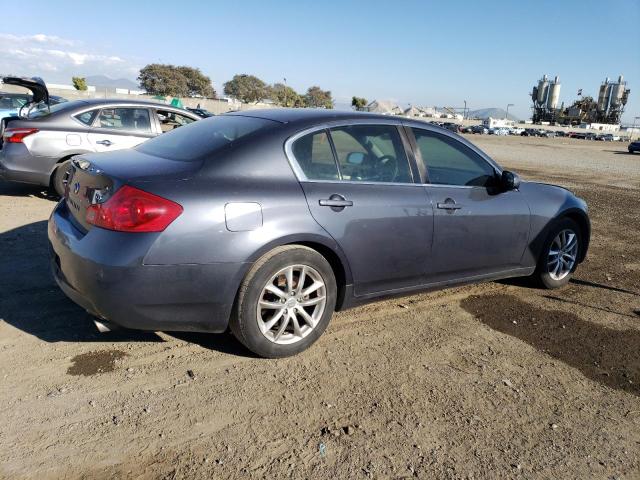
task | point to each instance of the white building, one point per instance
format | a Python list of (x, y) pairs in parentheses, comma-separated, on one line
[(497, 122)]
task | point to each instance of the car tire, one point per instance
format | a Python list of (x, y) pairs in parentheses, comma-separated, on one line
[(58, 178), (564, 237), (252, 317)]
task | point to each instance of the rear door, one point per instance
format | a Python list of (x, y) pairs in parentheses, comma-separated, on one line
[(478, 229), (359, 184), (116, 128)]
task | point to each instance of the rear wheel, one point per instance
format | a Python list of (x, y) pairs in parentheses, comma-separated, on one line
[(560, 254), (285, 302), (59, 177)]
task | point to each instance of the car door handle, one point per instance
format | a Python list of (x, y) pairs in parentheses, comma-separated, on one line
[(106, 143), (449, 204), (336, 203)]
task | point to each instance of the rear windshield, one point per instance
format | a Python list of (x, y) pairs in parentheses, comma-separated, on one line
[(203, 137), (41, 110)]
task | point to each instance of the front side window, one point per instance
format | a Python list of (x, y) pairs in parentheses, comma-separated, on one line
[(315, 157), (133, 119), (371, 153), (450, 162)]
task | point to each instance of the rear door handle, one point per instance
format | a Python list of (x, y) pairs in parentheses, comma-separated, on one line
[(106, 143), (449, 204), (336, 202)]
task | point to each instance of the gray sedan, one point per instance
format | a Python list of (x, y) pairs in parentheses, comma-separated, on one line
[(36, 149), (266, 222)]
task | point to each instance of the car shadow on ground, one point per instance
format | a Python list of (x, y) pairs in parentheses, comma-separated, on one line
[(605, 355), (32, 302), (9, 189)]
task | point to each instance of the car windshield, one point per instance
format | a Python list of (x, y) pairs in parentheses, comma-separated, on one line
[(41, 110), (203, 137)]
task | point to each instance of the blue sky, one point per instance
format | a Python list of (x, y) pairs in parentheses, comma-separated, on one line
[(489, 53)]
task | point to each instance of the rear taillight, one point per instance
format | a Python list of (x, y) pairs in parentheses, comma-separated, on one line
[(16, 135), (134, 210)]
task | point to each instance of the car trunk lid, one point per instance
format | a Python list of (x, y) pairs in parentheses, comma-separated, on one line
[(36, 85), (94, 178)]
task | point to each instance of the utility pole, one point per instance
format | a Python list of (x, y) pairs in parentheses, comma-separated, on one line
[(285, 92), (464, 112), (507, 115)]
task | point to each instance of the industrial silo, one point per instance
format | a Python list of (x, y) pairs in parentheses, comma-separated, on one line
[(617, 90), (554, 94), (543, 90), (603, 96)]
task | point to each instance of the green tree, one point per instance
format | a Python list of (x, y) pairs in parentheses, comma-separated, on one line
[(169, 80), (79, 83), (198, 83), (359, 103), (316, 97), (285, 96), (246, 88)]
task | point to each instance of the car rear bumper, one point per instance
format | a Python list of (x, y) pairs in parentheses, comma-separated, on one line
[(125, 292), (18, 165)]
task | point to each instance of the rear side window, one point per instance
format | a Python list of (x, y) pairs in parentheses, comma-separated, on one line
[(449, 162), (87, 117), (135, 119), (371, 153), (314, 155), (203, 137)]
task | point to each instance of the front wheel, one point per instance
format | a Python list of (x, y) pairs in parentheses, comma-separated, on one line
[(285, 302), (560, 254)]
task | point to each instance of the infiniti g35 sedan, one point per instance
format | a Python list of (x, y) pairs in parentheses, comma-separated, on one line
[(266, 222)]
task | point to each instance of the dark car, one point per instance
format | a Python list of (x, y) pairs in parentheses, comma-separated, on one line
[(201, 112), (453, 127), (634, 147), (270, 220), (529, 132)]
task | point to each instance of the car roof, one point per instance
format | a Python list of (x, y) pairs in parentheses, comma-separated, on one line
[(117, 101), (306, 115)]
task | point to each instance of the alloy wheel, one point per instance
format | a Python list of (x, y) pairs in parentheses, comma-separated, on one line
[(562, 255), (291, 304)]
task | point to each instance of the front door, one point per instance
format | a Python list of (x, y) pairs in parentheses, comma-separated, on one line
[(360, 189), (120, 127), (478, 229)]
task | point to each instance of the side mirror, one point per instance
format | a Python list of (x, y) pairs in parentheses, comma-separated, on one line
[(510, 180), (355, 158)]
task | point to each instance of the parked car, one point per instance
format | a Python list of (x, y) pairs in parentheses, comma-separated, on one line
[(453, 127), (502, 131), (12, 103), (634, 147), (610, 137), (267, 221), (468, 129), (36, 149), (481, 129), (516, 130), (201, 112), (529, 132)]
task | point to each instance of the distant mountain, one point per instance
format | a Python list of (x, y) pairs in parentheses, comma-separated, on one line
[(104, 81), (484, 113)]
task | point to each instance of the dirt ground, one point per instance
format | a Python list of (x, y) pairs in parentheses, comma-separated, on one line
[(498, 380)]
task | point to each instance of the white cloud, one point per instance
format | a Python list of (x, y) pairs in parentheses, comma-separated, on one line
[(57, 59)]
